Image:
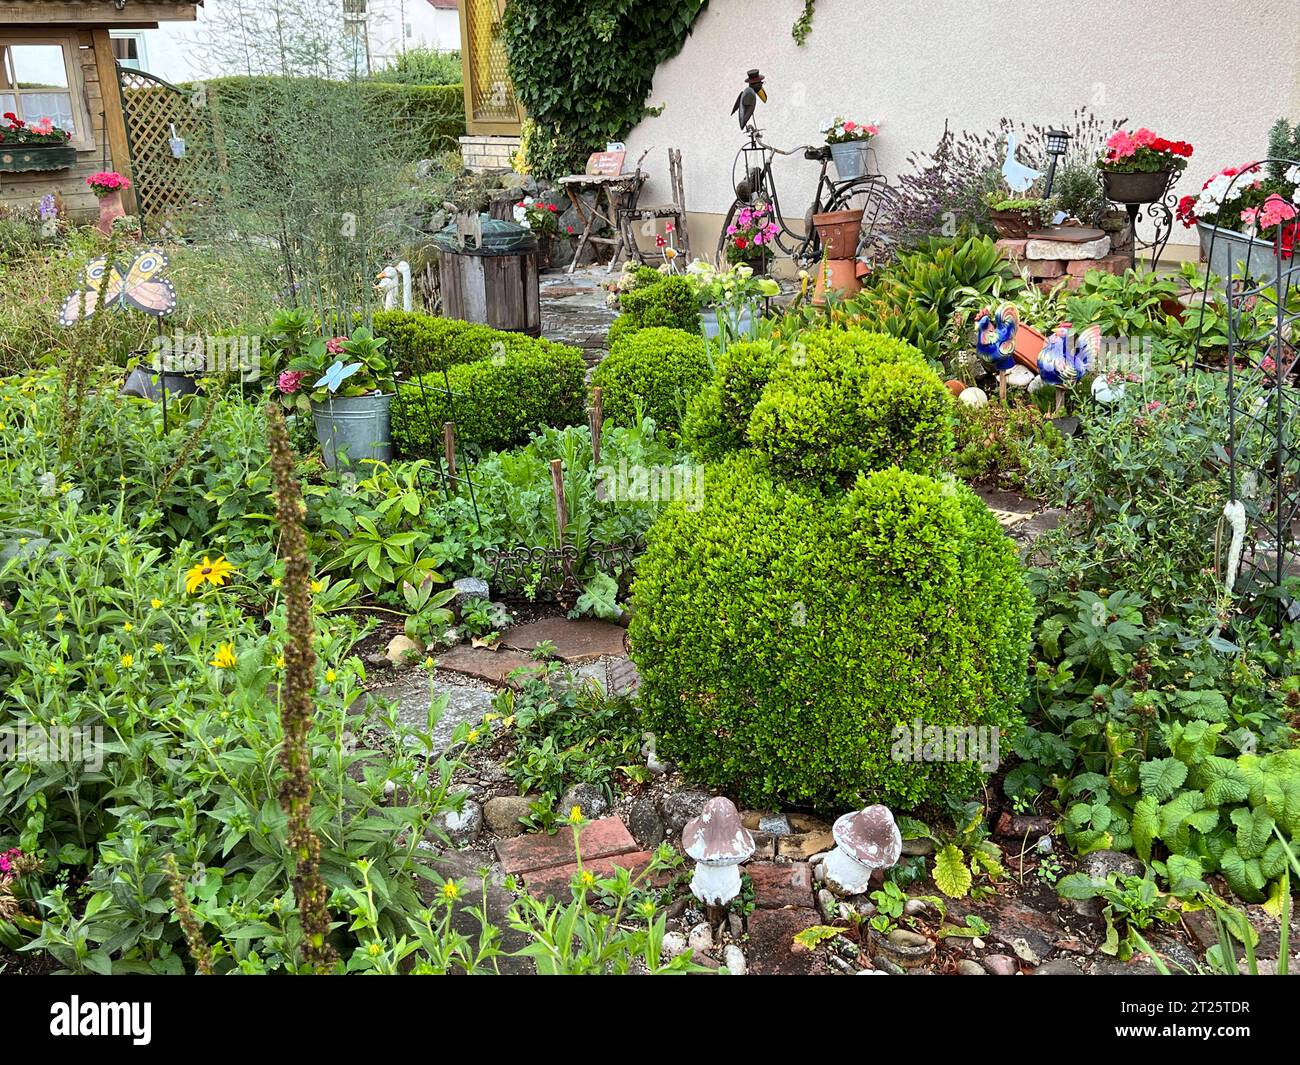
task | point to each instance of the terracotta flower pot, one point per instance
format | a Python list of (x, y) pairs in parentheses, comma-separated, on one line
[(1029, 342), (956, 387), (110, 209), (839, 231), (835, 275)]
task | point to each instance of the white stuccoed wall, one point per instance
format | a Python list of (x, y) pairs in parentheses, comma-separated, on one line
[(1213, 72)]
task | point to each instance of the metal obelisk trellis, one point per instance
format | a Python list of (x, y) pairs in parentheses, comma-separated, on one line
[(1263, 460)]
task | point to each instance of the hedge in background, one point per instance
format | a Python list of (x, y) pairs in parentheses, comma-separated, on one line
[(782, 635), (844, 401), (660, 367), (507, 385), (431, 116)]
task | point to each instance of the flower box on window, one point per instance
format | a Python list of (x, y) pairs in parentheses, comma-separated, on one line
[(20, 157)]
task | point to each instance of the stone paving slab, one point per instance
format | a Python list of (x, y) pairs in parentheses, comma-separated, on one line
[(555, 880), (576, 639), (771, 943), (778, 885), (411, 693), (605, 838), (492, 666)]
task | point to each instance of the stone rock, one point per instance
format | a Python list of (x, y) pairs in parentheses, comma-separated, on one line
[(468, 867), (916, 907), (1020, 377), (1058, 967), (734, 959), (470, 588), (503, 813), (587, 797), (681, 806), (828, 904), (886, 967), (1101, 864), (1024, 951), (410, 690), (465, 826), (1064, 249), (804, 844), (674, 943), (735, 925), (771, 943), (966, 967), (774, 824), (1001, 965), (700, 937), (644, 822), (974, 397), (403, 651), (704, 960)]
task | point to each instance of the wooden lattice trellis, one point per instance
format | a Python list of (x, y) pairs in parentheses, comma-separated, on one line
[(166, 187)]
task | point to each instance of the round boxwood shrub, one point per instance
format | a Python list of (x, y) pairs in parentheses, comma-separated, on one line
[(670, 303), (843, 401), (661, 367), (717, 419), (783, 636)]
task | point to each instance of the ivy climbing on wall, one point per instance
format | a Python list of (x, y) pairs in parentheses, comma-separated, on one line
[(583, 71)]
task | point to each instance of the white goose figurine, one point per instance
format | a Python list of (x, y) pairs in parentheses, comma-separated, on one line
[(387, 279), (1017, 176)]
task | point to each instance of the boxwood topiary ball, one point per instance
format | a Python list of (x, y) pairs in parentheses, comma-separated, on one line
[(782, 636), (661, 367)]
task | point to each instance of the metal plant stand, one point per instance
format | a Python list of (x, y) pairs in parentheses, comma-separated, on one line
[(1262, 449), (1159, 212)]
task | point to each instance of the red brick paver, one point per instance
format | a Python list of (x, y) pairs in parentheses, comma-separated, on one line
[(555, 880), (781, 885), (600, 839)]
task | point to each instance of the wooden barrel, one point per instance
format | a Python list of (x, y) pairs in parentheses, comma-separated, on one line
[(496, 290)]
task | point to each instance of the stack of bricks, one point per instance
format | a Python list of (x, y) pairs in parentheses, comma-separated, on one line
[(480, 152), (1049, 262)]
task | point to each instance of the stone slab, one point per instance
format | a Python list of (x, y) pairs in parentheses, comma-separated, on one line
[(1065, 249), (1108, 264), (771, 943), (599, 839), (575, 639), (411, 693), (1069, 234), (778, 885), (555, 881), (494, 667)]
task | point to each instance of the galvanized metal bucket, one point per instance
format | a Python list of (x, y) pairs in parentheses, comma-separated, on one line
[(850, 159), (1231, 253), (354, 429)]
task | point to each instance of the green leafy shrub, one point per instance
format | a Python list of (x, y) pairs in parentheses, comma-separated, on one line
[(506, 385), (781, 670), (841, 402), (717, 419), (669, 302), (660, 367), (1005, 447)]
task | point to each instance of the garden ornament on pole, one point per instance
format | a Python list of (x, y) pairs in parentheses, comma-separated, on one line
[(747, 102), (995, 341), (1017, 176), (333, 379)]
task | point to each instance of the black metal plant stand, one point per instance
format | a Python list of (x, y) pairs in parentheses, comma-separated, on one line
[(1263, 453), (1159, 212)]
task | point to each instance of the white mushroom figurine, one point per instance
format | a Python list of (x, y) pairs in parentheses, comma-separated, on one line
[(718, 842), (865, 840)]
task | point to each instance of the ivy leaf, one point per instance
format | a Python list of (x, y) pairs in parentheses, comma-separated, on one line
[(950, 873), (1161, 777)]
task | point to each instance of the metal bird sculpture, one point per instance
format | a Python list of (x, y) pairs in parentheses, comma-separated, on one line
[(1017, 176), (1067, 358), (995, 341), (749, 96)]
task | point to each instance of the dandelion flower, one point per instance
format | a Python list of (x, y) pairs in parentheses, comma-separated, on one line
[(214, 572), (575, 815), (316, 586), (225, 657)]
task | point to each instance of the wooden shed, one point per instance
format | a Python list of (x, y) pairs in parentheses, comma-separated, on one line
[(57, 62)]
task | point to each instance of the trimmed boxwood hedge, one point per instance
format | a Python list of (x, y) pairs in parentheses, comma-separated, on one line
[(782, 634), (670, 302), (717, 420), (843, 401), (661, 367), (507, 385)]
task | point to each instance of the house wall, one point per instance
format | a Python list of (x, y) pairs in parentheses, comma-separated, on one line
[(22, 189), (430, 27), (1212, 73)]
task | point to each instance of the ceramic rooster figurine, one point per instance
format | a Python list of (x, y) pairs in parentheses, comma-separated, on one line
[(995, 341), (1067, 358)]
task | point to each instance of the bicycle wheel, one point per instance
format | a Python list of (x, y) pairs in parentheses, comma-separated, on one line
[(878, 203)]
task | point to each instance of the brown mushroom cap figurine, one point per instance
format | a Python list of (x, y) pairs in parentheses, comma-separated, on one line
[(866, 840), (719, 843)]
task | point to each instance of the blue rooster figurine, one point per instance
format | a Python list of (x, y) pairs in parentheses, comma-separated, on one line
[(1067, 358), (995, 341)]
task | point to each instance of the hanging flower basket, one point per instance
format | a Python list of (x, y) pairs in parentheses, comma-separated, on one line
[(23, 157)]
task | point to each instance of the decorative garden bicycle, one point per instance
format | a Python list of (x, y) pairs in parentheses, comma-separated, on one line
[(755, 185)]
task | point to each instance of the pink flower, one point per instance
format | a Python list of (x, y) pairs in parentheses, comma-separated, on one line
[(872, 129), (1275, 210), (290, 380), (1267, 364), (335, 345), (849, 127), (7, 859), (1144, 138)]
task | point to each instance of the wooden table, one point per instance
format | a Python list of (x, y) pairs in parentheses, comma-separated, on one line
[(616, 190)]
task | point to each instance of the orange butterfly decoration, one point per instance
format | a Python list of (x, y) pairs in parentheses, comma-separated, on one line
[(107, 286)]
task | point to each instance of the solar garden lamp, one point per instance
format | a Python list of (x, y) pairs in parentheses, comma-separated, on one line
[(1058, 141)]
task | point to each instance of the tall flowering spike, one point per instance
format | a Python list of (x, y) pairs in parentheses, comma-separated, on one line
[(296, 702), (199, 949)]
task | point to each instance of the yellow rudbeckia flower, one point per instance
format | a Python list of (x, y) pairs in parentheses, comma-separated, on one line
[(128, 661), (214, 572), (225, 657)]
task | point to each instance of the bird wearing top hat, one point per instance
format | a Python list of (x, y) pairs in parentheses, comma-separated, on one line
[(746, 101)]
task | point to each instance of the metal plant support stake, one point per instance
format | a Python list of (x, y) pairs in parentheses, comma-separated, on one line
[(1263, 459)]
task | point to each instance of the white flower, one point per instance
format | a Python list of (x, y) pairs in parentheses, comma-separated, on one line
[(1293, 174)]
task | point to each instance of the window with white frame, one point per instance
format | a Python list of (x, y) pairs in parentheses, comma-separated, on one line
[(39, 79), (129, 49)]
